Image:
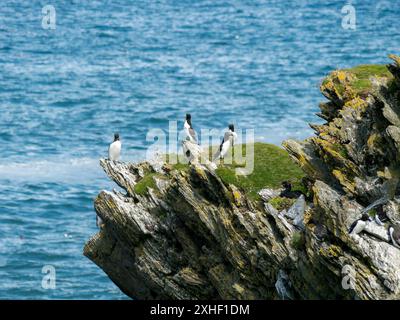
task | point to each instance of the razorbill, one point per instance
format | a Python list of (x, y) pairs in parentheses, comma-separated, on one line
[(394, 232), (114, 151), (227, 142), (190, 133), (380, 217), (359, 225), (287, 191)]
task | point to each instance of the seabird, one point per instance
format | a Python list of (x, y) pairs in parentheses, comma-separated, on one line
[(287, 191), (114, 150), (380, 217), (394, 232), (359, 225), (227, 142), (190, 133)]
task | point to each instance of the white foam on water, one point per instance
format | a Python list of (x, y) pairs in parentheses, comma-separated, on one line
[(52, 170)]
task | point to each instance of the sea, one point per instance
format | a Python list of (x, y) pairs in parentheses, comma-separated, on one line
[(74, 72)]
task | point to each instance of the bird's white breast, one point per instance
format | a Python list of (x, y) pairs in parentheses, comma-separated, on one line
[(114, 151), (225, 147), (359, 227)]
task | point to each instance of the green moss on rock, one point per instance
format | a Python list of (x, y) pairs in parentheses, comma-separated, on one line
[(272, 165), (146, 182), (298, 241), (281, 203)]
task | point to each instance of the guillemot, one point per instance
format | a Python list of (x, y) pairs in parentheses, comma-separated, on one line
[(287, 192), (114, 151), (227, 142), (190, 133), (359, 225), (380, 216)]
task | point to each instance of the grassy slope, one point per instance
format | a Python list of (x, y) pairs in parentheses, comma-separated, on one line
[(363, 72), (272, 165)]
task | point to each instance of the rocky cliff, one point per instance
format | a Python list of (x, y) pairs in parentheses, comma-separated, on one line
[(188, 234)]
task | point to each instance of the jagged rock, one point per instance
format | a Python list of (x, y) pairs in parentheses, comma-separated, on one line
[(392, 210), (283, 286), (297, 209), (192, 236), (380, 232)]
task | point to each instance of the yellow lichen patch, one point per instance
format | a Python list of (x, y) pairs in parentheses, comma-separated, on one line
[(344, 180), (332, 251), (341, 75), (200, 172), (338, 84), (335, 154), (307, 216), (372, 140), (237, 197), (238, 288), (357, 103), (329, 152)]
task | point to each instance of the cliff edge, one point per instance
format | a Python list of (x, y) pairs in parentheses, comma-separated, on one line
[(199, 233)]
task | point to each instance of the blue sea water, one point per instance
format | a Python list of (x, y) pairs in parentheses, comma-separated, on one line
[(130, 66)]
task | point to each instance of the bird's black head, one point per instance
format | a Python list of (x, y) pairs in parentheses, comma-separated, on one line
[(365, 217), (116, 136), (287, 185), (189, 119), (231, 127)]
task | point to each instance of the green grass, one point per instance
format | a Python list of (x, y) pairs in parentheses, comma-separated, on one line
[(297, 242), (180, 166), (364, 72), (272, 165), (281, 203), (146, 182)]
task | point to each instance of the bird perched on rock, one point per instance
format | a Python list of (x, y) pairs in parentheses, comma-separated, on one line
[(380, 216), (287, 191), (359, 225), (227, 142), (190, 133), (394, 232), (114, 151)]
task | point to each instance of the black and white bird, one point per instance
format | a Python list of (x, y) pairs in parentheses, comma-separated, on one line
[(394, 232), (287, 191), (360, 224), (190, 133), (380, 217), (227, 142), (114, 151)]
